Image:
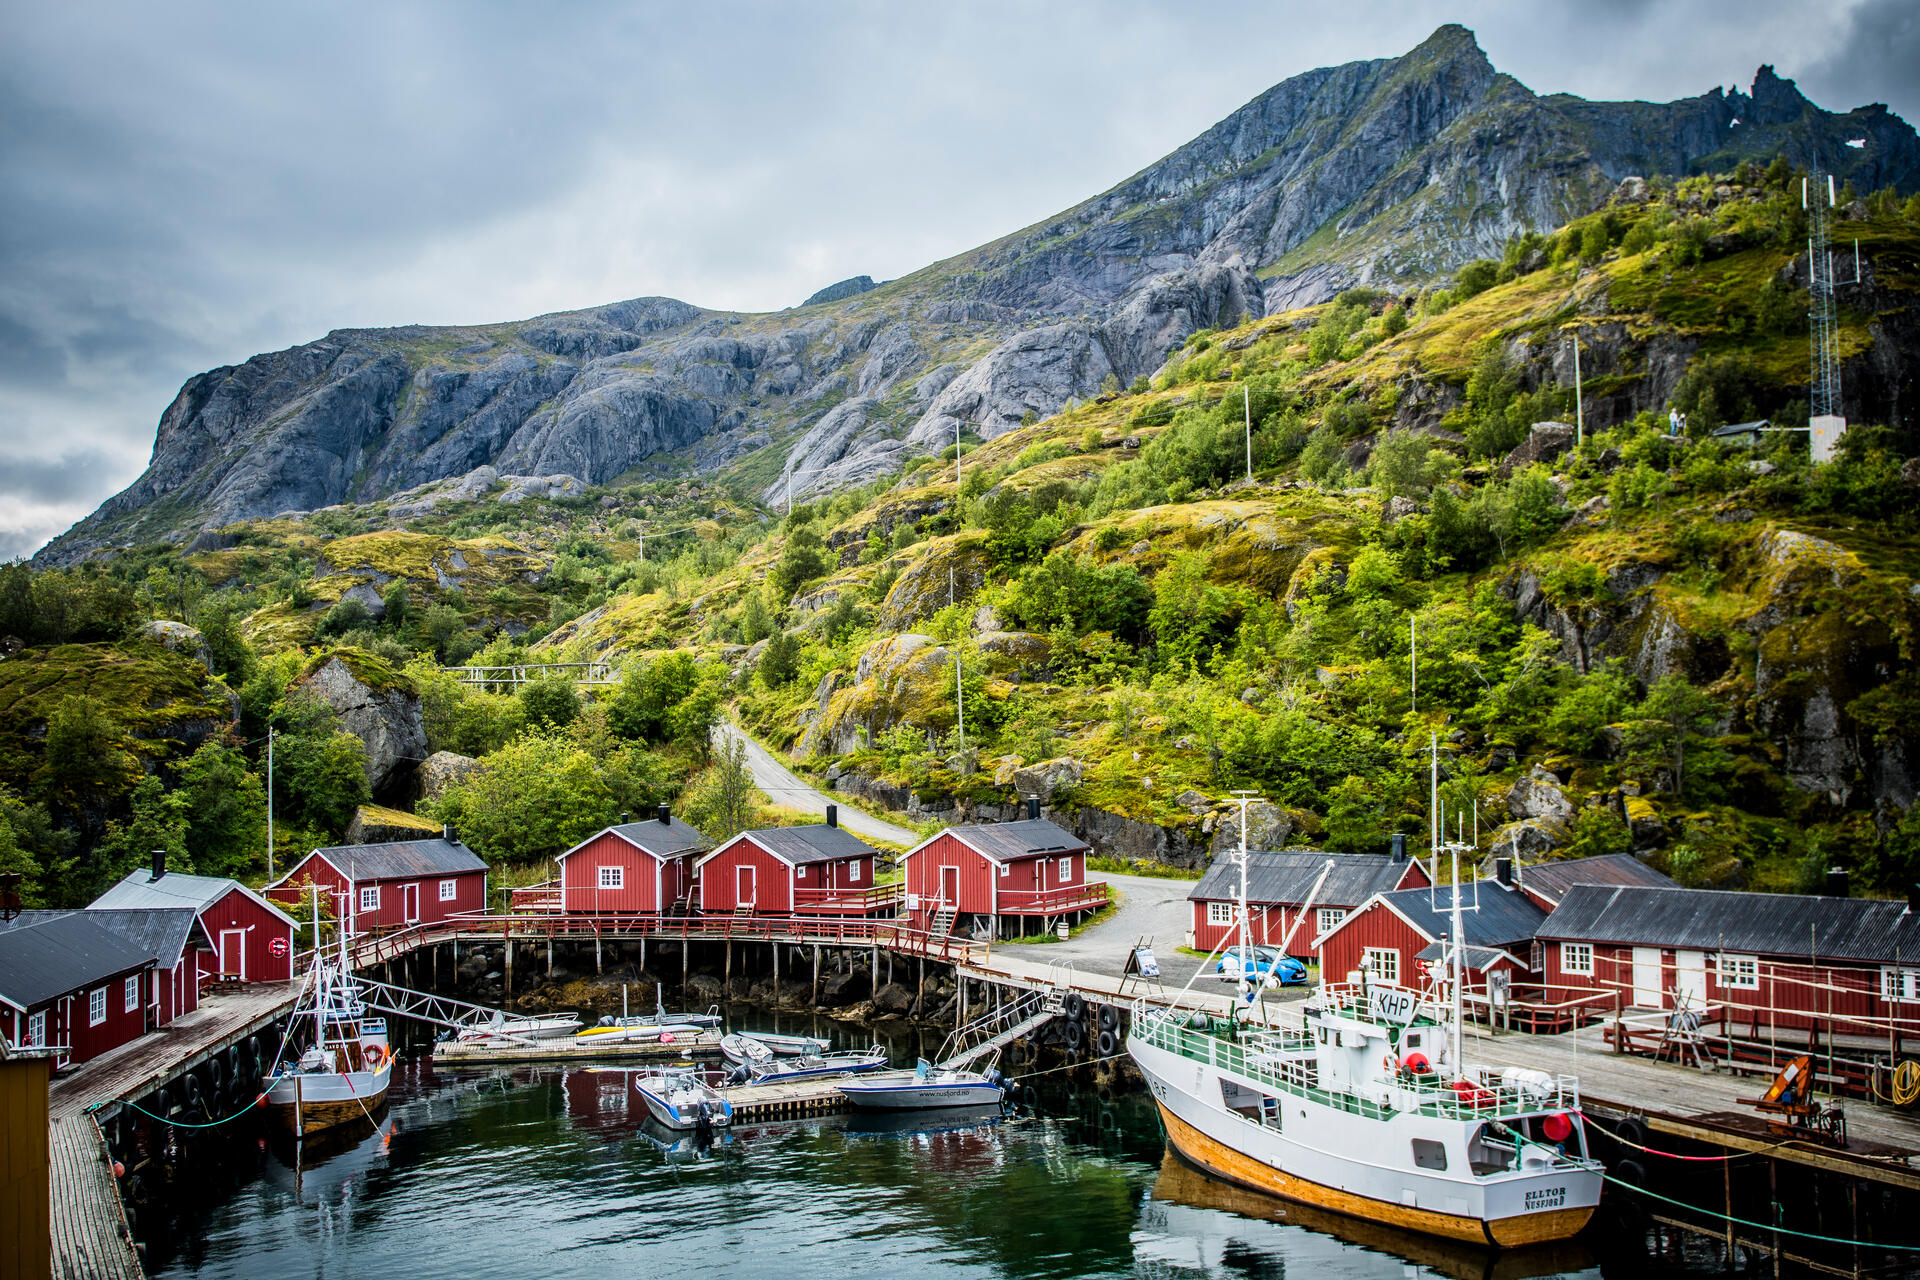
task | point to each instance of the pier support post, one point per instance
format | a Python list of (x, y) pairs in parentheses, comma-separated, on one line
[(509, 986), (685, 946), (549, 955), (776, 973), (816, 975), (598, 968), (643, 952), (920, 989), (726, 982), (873, 967)]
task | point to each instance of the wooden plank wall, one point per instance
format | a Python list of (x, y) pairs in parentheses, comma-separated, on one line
[(26, 1243)]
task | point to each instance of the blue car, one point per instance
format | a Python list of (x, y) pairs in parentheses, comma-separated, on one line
[(1267, 963)]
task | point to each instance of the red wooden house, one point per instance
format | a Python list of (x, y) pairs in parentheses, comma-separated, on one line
[(1395, 937), (999, 877), (818, 869), (1278, 885), (67, 980), (183, 955), (388, 886), (636, 868), (1775, 962), (251, 939)]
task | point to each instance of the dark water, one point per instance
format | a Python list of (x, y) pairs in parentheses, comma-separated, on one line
[(553, 1173)]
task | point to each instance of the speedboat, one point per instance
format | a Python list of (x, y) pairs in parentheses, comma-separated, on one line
[(681, 1101), (814, 1066), (924, 1088)]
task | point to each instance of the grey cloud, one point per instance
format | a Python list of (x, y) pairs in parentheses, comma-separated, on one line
[(62, 480)]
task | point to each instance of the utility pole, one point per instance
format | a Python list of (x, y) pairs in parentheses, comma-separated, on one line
[(270, 811), (1248, 391), (1413, 659), (959, 696), (1250, 985), (1579, 405)]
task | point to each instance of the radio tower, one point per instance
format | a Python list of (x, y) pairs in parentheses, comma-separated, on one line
[(1826, 361)]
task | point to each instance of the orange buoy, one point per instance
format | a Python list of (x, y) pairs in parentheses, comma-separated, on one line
[(119, 1170), (1417, 1063)]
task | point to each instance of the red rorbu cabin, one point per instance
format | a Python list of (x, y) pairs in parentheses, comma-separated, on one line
[(817, 869), (1278, 887), (636, 868), (1397, 937), (183, 955), (999, 878), (249, 938), (389, 886), (67, 980)]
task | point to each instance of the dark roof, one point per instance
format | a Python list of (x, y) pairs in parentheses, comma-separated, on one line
[(1504, 916), (1288, 877), (175, 889), (661, 839), (1551, 880), (1481, 958), (164, 931), (1874, 930), (60, 954), (402, 858), (1742, 428), (1012, 841), (816, 842)]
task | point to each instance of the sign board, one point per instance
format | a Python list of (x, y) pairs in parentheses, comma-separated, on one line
[(1499, 986), (1391, 1004), (277, 947), (1144, 963), (913, 902), (1826, 431)]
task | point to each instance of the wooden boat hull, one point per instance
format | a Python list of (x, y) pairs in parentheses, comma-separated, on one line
[(305, 1105)]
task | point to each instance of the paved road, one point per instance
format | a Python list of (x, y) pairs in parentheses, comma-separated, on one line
[(784, 787), (1150, 907)]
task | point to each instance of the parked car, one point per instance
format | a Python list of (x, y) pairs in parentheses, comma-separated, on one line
[(1267, 963)]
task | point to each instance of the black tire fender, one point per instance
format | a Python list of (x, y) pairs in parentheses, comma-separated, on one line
[(1073, 1006), (1108, 1044), (1076, 1035), (1109, 1018)]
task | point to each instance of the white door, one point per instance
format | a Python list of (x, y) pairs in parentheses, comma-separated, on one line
[(1690, 980), (410, 901), (744, 884), (1646, 978), (233, 954)]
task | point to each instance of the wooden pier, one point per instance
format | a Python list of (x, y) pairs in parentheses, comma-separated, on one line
[(473, 1053), (789, 1101)]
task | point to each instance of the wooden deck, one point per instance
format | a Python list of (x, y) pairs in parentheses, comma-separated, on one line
[(1704, 1105), (785, 1101), (90, 1236), (473, 1053)]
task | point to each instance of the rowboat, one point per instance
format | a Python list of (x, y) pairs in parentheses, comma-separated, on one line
[(791, 1046), (744, 1051), (521, 1028), (926, 1087)]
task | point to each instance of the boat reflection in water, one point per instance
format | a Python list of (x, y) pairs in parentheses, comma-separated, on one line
[(938, 1120), (329, 1167), (1181, 1220)]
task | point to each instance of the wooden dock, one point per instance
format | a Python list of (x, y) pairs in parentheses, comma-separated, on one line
[(455, 1053), (787, 1101)]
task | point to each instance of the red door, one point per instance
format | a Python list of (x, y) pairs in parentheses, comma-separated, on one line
[(233, 954), (950, 886), (743, 886)]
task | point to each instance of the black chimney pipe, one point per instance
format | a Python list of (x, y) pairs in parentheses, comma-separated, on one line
[(666, 819), (1503, 870), (159, 863), (1033, 808), (833, 815), (625, 817), (451, 836), (1913, 896), (1837, 883), (1399, 846)]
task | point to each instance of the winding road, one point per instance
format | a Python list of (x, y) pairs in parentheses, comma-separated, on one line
[(788, 789)]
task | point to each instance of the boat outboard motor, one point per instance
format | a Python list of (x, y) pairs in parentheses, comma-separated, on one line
[(994, 1077), (703, 1120), (740, 1074)]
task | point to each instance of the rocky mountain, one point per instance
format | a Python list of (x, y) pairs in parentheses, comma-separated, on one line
[(1386, 171)]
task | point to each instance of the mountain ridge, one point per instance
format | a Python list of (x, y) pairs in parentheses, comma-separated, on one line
[(1392, 171)]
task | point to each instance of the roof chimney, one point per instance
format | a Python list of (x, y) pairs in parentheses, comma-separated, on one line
[(1913, 897), (1503, 870), (625, 817), (159, 863), (666, 819), (1837, 883), (1033, 808), (1399, 846), (449, 834), (833, 815)]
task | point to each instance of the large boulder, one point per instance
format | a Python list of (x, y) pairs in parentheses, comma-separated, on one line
[(1529, 840), (893, 999), (845, 988), (1007, 651), (1538, 795), (1545, 442), (376, 705), (1047, 777), (1268, 827), (180, 638), (377, 824), (441, 770)]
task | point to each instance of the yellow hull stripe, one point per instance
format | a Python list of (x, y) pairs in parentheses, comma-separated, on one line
[(1234, 1166)]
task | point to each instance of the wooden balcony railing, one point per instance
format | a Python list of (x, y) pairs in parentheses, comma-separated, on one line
[(881, 899), (1052, 902)]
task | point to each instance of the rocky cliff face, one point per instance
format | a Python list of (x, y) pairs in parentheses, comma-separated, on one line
[(1382, 171)]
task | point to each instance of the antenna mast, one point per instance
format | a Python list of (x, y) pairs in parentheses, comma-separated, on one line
[(1250, 984), (1820, 326)]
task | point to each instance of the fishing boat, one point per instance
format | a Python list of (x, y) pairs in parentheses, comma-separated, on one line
[(502, 1027), (815, 1066), (1366, 1106), (790, 1046), (682, 1101), (924, 1088), (343, 1075)]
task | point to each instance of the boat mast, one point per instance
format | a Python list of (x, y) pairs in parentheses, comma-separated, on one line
[(1252, 985)]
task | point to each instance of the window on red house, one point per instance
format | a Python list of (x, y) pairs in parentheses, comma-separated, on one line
[(132, 994), (96, 1006)]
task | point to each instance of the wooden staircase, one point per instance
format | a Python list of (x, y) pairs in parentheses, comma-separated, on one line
[(942, 925)]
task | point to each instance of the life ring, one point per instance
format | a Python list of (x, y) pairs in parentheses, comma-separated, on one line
[(375, 1054)]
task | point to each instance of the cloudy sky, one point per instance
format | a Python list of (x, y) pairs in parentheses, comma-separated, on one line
[(184, 185)]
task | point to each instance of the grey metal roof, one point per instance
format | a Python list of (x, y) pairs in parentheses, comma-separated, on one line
[(1551, 880), (1477, 957), (1012, 841), (815, 842), (138, 889), (1287, 877), (667, 839), (1742, 428), (402, 859), (69, 951), (1503, 916), (1871, 930), (161, 930)]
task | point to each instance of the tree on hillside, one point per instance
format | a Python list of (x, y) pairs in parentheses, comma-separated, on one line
[(780, 662), (226, 810), (320, 770), (37, 850), (539, 795), (158, 820), (668, 699), (1673, 717), (721, 800), (802, 559), (552, 702), (82, 760)]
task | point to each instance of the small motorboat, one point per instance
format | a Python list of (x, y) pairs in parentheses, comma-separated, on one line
[(791, 1046), (924, 1088), (744, 1051), (814, 1066), (640, 1033), (681, 1101), (660, 1016), (520, 1029)]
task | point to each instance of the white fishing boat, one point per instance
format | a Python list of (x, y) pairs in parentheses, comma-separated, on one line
[(682, 1101), (746, 1051), (343, 1075), (790, 1046), (924, 1088), (1367, 1106)]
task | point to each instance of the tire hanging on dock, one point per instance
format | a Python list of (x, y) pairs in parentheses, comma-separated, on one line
[(1109, 1018), (1074, 1006), (1108, 1044), (1076, 1036)]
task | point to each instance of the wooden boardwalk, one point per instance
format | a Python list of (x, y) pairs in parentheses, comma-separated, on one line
[(566, 1049), (90, 1236), (786, 1101)]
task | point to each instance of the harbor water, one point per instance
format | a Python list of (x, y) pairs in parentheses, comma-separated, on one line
[(556, 1173)]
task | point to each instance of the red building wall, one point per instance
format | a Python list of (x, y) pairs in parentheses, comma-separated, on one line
[(1376, 926), (773, 880), (67, 1018), (469, 888), (236, 912), (176, 991), (650, 885), (976, 875)]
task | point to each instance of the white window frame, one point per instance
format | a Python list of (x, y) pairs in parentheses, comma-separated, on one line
[(96, 1006), (369, 897), (449, 890), (1326, 918), (1737, 972), (1006, 868), (1899, 983), (1221, 913), (1066, 869), (1577, 958), (800, 873), (130, 993), (36, 1031), (853, 871), (612, 878), (1382, 963)]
